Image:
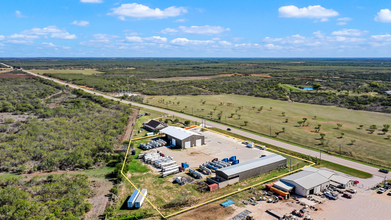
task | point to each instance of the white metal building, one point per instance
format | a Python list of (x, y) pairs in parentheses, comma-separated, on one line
[(307, 182), (182, 138)]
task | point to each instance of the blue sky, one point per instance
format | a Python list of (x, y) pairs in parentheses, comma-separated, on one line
[(121, 28)]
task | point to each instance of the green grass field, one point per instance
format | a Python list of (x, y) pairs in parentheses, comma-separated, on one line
[(372, 148), (84, 72)]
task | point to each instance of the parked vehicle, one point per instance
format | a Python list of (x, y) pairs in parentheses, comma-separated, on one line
[(228, 129), (341, 186), (389, 193), (381, 191), (352, 191), (384, 171), (347, 195)]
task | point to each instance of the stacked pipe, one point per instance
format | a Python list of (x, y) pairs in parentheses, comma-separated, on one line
[(207, 171), (195, 174)]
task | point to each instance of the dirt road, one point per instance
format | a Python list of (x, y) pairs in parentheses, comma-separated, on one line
[(312, 153)]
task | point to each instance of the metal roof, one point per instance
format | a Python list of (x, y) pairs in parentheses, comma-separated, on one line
[(178, 133), (340, 179), (324, 173), (238, 168), (285, 186), (306, 179)]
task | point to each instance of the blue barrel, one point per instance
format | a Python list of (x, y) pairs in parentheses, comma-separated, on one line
[(235, 162), (233, 158), (225, 159)]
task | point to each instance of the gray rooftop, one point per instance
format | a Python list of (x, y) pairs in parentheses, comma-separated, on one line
[(285, 186), (178, 133), (340, 179), (324, 173), (306, 179), (238, 168)]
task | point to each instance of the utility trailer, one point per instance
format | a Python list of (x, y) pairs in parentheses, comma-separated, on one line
[(140, 198), (133, 198)]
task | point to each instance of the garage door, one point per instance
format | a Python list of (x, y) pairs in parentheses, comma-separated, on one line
[(173, 142), (317, 189), (187, 144), (198, 142)]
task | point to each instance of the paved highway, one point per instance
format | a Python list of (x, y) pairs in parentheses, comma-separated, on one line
[(337, 160)]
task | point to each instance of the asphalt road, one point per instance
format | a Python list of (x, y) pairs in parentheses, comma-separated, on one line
[(372, 170)]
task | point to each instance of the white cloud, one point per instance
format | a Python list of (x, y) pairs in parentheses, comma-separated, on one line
[(272, 47), (169, 30), (63, 35), (181, 20), (349, 32), (268, 39), (103, 37), (225, 43), (384, 15), (203, 29), (134, 39), (216, 39), (19, 14), (23, 36), (53, 31), (344, 19), (54, 46), (315, 11), (156, 39), (81, 23), (347, 39), (318, 34), (185, 41), (342, 23), (385, 37), (141, 11), (91, 1), (2, 37)]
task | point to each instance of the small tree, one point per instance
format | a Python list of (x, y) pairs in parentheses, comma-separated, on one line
[(374, 127), (283, 114), (203, 102), (322, 135), (283, 129), (253, 107), (239, 115), (384, 130), (277, 133), (187, 122), (361, 126), (300, 122), (389, 136), (286, 120), (245, 123), (315, 117), (352, 141), (342, 134), (339, 126), (232, 115), (271, 108)]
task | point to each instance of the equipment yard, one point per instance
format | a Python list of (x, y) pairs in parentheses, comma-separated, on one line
[(216, 146), (365, 204)]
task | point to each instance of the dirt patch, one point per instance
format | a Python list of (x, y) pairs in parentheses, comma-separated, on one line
[(16, 76), (262, 75), (99, 200), (209, 212), (129, 128), (179, 78)]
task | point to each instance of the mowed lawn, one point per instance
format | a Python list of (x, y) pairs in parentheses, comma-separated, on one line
[(84, 72), (374, 148)]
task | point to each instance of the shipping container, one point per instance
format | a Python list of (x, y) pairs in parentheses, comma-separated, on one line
[(213, 186), (140, 199), (133, 198)]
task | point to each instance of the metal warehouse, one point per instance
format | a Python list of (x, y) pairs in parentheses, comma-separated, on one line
[(182, 138), (252, 168), (307, 182)]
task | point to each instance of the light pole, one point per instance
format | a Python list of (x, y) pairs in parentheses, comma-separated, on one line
[(320, 155), (340, 149)]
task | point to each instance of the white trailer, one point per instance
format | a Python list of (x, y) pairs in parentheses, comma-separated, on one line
[(140, 198)]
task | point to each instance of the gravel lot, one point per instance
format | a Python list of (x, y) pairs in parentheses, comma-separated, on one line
[(216, 146)]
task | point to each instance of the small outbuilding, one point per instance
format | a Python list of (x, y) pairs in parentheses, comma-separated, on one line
[(182, 138), (154, 125)]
